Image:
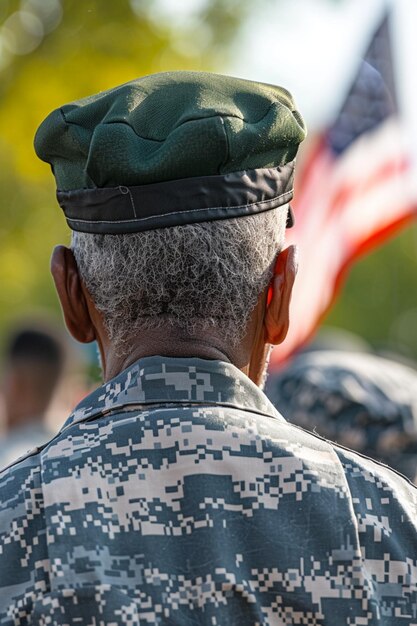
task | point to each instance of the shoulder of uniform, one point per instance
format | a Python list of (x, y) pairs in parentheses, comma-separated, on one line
[(25, 464)]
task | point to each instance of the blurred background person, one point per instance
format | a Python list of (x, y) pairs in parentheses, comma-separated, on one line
[(359, 400), (33, 365)]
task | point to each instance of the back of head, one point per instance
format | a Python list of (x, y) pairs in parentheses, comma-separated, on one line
[(194, 278), (177, 187)]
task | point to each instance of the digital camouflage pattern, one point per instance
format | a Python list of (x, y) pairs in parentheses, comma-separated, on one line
[(176, 494), (359, 400)]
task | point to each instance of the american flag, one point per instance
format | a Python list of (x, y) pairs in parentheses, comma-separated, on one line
[(353, 192)]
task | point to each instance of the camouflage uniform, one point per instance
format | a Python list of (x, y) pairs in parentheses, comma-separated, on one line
[(176, 494), (359, 400)]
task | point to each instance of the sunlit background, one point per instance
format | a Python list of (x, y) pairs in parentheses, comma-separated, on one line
[(55, 51)]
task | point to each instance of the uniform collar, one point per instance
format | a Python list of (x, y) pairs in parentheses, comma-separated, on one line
[(165, 380)]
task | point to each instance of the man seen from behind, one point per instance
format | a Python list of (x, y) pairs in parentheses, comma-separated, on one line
[(175, 493)]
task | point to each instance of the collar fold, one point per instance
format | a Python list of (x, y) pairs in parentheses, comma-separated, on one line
[(166, 380)]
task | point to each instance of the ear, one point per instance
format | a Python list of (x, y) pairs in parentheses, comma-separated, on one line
[(276, 321), (71, 295)]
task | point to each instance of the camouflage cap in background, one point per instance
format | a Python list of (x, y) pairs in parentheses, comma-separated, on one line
[(172, 148), (359, 400)]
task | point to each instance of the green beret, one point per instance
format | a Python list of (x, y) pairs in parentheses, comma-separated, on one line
[(172, 148)]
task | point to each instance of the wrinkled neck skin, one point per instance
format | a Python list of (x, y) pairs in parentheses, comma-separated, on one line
[(174, 342), (168, 343)]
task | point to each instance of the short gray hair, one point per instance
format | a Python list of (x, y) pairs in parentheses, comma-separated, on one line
[(192, 277)]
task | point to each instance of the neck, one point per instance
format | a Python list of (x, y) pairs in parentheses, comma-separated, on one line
[(171, 343)]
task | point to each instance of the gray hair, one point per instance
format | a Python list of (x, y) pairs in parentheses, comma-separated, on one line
[(192, 277)]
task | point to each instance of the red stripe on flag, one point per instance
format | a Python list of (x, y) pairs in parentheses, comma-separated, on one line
[(346, 192), (305, 166)]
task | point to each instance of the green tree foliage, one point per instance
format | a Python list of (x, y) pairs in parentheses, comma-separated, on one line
[(95, 45), (379, 299)]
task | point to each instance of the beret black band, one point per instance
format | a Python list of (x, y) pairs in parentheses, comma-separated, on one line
[(123, 209)]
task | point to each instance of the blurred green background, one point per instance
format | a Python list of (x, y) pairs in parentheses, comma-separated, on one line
[(54, 51)]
